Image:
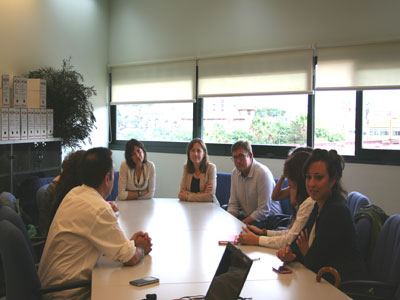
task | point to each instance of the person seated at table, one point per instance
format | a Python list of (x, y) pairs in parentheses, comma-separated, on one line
[(329, 236), (85, 227), (251, 187), (198, 182), (280, 193), (137, 175), (299, 199), (69, 178)]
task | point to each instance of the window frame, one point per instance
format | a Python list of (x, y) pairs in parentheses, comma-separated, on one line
[(362, 156)]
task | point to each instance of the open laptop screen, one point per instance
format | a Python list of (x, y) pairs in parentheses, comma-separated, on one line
[(231, 275)]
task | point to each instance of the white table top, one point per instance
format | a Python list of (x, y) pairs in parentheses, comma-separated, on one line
[(186, 255)]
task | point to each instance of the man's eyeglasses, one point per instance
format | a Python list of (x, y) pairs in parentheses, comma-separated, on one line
[(239, 157)]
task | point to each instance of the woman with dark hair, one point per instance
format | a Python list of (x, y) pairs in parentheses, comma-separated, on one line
[(137, 175), (329, 236), (69, 178), (280, 193), (199, 175), (299, 200)]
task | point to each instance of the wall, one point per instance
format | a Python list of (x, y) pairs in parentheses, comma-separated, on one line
[(154, 30), (158, 30), (41, 33)]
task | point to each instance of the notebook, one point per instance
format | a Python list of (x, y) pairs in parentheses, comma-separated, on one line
[(230, 276)]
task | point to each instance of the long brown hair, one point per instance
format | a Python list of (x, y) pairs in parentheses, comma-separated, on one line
[(293, 169), (130, 145)]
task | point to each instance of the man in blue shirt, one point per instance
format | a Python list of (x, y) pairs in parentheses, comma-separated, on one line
[(251, 187)]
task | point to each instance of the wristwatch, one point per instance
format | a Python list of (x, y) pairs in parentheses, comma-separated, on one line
[(139, 193)]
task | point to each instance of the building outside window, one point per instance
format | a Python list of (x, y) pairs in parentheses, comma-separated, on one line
[(262, 120), (168, 122)]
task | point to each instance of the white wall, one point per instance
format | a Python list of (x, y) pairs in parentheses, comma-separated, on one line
[(155, 30), (41, 33), (158, 29)]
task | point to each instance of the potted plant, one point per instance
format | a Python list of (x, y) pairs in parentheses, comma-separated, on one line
[(69, 98)]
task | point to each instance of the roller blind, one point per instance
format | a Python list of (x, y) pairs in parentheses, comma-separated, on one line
[(257, 74), (154, 83), (373, 66)]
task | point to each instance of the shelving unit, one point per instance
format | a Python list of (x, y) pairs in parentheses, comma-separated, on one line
[(20, 159)]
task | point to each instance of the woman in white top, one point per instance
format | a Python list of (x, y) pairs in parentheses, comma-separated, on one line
[(199, 175), (293, 170), (137, 175)]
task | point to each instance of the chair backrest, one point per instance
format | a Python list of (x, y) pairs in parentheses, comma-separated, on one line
[(8, 199), (45, 181), (40, 194), (285, 204), (385, 263), (19, 269), (223, 191), (114, 192), (7, 213), (363, 229), (356, 200)]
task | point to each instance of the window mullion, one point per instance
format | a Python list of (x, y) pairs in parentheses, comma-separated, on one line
[(311, 109), (358, 123), (311, 120), (198, 118)]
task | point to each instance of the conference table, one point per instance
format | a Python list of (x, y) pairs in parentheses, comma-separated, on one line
[(186, 254)]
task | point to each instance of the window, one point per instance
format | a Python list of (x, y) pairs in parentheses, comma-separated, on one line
[(345, 98), (396, 132), (381, 119), (154, 102), (263, 120), (335, 114), (170, 122)]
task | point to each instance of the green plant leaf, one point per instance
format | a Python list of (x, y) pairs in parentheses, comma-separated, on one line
[(69, 98)]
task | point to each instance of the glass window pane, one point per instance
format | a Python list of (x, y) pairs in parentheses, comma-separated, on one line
[(381, 119), (263, 120), (335, 113), (171, 122)]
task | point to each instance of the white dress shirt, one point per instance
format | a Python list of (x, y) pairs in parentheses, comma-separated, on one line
[(83, 228)]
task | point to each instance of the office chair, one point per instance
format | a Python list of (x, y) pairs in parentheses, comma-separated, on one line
[(21, 278), (384, 274), (363, 229), (356, 200), (281, 221), (223, 191), (114, 192)]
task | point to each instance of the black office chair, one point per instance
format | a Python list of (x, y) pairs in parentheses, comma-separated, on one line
[(363, 230), (19, 270)]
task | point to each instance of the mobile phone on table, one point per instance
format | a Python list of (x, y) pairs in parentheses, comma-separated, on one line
[(144, 281), (282, 270)]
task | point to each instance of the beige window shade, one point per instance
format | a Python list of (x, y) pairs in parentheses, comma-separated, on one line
[(153, 83), (257, 74), (373, 66)]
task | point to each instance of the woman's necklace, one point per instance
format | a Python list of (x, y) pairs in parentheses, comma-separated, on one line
[(137, 178)]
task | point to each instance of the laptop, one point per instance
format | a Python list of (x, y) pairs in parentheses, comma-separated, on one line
[(230, 276)]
